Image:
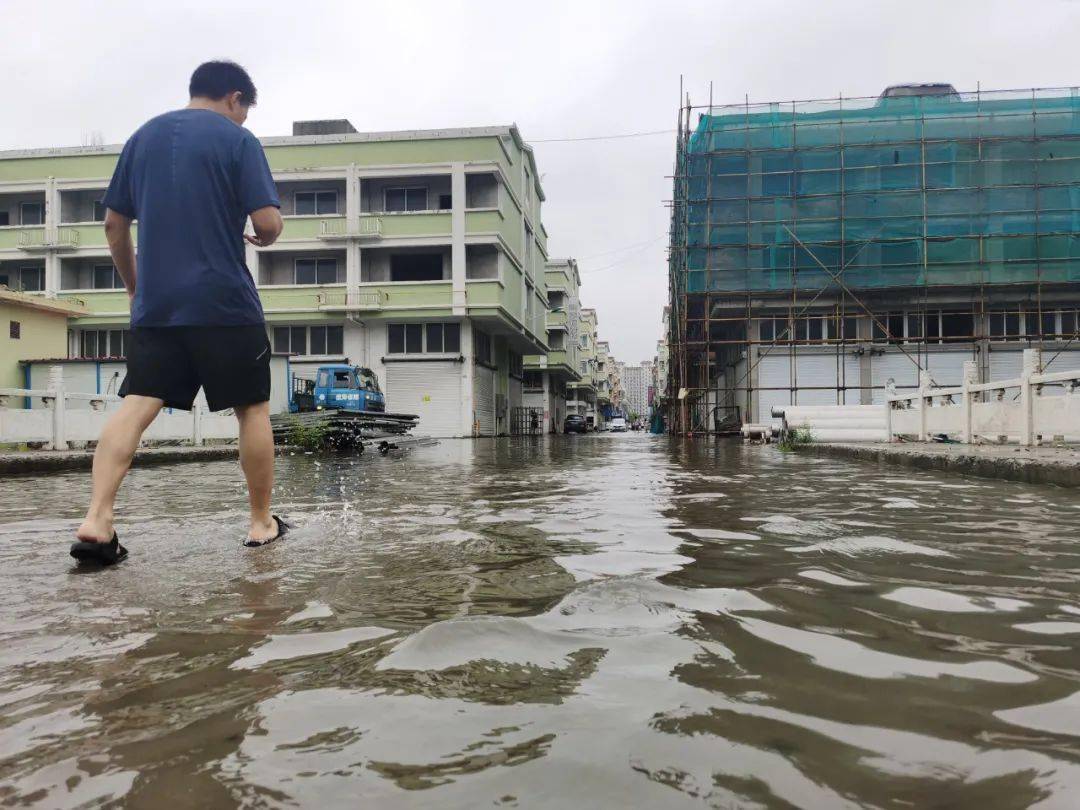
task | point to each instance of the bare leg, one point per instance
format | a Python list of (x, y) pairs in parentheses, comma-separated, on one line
[(257, 461), (112, 458)]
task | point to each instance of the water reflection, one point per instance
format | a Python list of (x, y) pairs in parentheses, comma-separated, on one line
[(601, 621)]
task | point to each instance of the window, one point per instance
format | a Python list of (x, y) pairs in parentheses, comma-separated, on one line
[(517, 365), (405, 199), (532, 379), (310, 203), (316, 271), (416, 267), (32, 213), (583, 367), (290, 339), (1068, 324), (32, 279), (15, 330), (481, 347), (103, 343), (324, 379), (894, 322), (446, 202), (420, 338), (1006, 325), (107, 277), (99, 211), (1049, 323), (957, 325), (5, 219), (343, 378), (327, 339)]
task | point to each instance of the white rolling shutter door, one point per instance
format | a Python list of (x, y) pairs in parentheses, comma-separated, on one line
[(895, 366), (852, 380), (815, 379), (430, 390), (1006, 364), (773, 372), (484, 400), (947, 368)]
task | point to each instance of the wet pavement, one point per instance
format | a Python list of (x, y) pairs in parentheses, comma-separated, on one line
[(584, 621)]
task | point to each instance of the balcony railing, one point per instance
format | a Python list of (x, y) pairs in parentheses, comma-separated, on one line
[(359, 300), (49, 239), (367, 228)]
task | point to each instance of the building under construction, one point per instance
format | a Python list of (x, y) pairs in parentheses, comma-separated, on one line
[(821, 248)]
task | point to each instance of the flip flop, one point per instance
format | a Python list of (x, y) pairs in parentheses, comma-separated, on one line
[(282, 529), (99, 553)]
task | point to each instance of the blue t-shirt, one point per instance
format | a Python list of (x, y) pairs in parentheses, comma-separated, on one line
[(191, 177)]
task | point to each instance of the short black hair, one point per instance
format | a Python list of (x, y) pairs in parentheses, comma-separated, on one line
[(215, 80)]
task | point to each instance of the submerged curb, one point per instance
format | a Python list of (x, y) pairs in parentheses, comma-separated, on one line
[(1040, 465), (36, 461)]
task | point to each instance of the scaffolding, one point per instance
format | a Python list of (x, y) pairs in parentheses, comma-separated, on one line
[(918, 218)]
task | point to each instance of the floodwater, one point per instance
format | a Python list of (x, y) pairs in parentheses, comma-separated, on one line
[(585, 621)]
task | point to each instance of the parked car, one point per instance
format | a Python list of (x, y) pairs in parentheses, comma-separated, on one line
[(617, 425), (575, 423)]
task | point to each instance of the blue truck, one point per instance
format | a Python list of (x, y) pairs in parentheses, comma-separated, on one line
[(338, 387)]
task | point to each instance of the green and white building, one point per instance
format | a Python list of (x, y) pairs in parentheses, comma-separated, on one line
[(420, 254)]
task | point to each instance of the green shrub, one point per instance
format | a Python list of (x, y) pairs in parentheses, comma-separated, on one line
[(795, 438), (309, 437)]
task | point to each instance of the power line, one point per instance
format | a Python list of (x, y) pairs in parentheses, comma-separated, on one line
[(624, 259), (604, 137), (621, 249)]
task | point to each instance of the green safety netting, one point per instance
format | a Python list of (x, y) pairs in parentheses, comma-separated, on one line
[(920, 190)]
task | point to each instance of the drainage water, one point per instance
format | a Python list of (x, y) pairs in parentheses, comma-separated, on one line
[(586, 621)]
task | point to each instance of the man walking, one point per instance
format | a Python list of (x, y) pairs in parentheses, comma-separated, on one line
[(191, 178)]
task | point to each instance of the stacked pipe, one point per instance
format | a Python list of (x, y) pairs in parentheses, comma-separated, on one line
[(835, 423)]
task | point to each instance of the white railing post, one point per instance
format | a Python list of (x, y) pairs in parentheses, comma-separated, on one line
[(56, 390), (1032, 365), (890, 391), (196, 425), (971, 372), (924, 389)]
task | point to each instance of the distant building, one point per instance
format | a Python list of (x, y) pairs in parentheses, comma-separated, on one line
[(821, 249), (31, 327), (637, 380), (420, 254)]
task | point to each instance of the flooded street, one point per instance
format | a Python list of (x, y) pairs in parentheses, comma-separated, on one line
[(580, 621)]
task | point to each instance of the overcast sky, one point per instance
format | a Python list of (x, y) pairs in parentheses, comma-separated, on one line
[(558, 69)]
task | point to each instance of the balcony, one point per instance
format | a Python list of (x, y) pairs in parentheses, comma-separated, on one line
[(35, 240), (352, 300), (556, 319), (369, 228)]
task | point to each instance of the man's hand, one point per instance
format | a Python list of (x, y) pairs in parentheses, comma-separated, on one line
[(267, 225), (122, 248)]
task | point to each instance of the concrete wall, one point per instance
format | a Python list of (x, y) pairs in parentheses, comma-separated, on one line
[(481, 191), (78, 274), (78, 206), (9, 203), (375, 263), (287, 193), (372, 199), (280, 267), (481, 262), (42, 334), (105, 377)]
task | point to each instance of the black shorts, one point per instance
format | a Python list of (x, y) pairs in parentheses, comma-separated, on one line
[(171, 363)]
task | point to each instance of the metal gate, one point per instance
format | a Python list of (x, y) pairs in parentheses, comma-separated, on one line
[(432, 390), (526, 421), (484, 400)]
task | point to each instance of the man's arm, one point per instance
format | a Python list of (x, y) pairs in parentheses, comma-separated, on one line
[(267, 224), (122, 248)]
